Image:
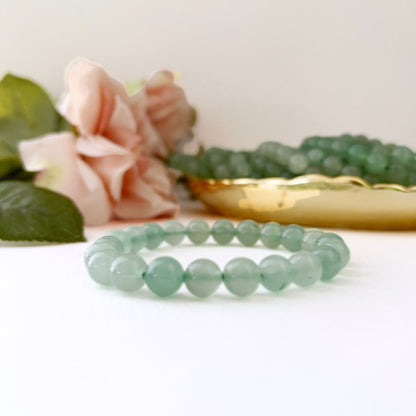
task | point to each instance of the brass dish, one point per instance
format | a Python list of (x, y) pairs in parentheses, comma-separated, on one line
[(313, 200)]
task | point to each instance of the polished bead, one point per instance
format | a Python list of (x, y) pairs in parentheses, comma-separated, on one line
[(332, 166), (97, 248), (396, 174), (112, 241), (276, 272), (316, 155), (307, 268), (282, 154), (123, 237), (164, 276), (340, 147), (198, 231), (137, 237), (241, 276), (292, 237), (357, 154), (221, 172), (310, 237), (248, 232), (402, 155), (127, 272), (330, 260), (271, 234), (376, 163), (99, 266), (223, 231), (298, 162), (175, 232), (351, 170), (337, 243), (202, 277), (154, 235)]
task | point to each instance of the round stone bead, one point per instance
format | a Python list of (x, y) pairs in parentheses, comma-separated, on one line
[(241, 276), (202, 277), (271, 234), (402, 155), (154, 235), (127, 272), (351, 170), (316, 156), (112, 241), (357, 154), (223, 231), (307, 268), (99, 266), (396, 174), (310, 237), (298, 162), (97, 248), (248, 232), (337, 243), (164, 276), (282, 154), (175, 232), (332, 166), (276, 272), (198, 231), (123, 237), (376, 163), (330, 260), (292, 237), (137, 237)]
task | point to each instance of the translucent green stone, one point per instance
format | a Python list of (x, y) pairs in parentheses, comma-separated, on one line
[(242, 170), (337, 243), (307, 268), (221, 172), (164, 276), (97, 248), (241, 276), (198, 231), (292, 237), (316, 156), (202, 277), (330, 260), (298, 162), (351, 170), (223, 231), (248, 232), (127, 272), (357, 154), (396, 174), (154, 235), (175, 232), (137, 237), (276, 272), (99, 266), (340, 147), (271, 234), (283, 154), (402, 155), (123, 237), (112, 241), (310, 237), (332, 166), (376, 163)]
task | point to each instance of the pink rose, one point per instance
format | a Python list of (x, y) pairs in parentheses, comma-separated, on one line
[(111, 169)]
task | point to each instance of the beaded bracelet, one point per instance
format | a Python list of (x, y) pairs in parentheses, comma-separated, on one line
[(113, 259)]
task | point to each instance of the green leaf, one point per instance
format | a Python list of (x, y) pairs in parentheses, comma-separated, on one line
[(9, 162), (28, 213), (26, 111)]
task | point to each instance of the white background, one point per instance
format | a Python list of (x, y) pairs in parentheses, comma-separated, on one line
[(255, 70)]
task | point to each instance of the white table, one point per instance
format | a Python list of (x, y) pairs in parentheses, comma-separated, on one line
[(70, 347)]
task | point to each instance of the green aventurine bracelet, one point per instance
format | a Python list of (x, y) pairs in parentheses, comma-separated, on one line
[(113, 259)]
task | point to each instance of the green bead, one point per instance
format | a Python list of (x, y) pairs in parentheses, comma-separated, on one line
[(175, 232), (298, 162), (202, 277), (340, 147), (127, 272), (402, 155), (223, 231), (307, 268), (337, 243), (283, 154), (330, 260), (332, 166), (396, 174), (248, 232), (357, 155), (241, 170), (351, 170), (276, 272), (154, 235), (99, 266), (123, 237), (97, 248), (241, 276), (376, 163), (292, 237), (137, 237), (164, 276), (316, 156), (310, 237), (198, 231), (221, 172), (112, 241), (272, 170), (271, 234)]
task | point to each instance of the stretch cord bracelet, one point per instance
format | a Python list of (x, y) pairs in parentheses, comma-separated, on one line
[(113, 259)]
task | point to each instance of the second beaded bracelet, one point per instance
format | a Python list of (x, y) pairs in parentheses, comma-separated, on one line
[(113, 259)]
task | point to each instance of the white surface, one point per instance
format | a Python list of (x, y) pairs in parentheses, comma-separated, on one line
[(254, 69), (70, 347)]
